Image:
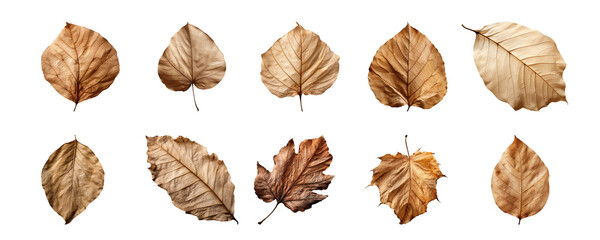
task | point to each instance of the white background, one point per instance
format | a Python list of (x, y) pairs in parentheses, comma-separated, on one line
[(243, 122)]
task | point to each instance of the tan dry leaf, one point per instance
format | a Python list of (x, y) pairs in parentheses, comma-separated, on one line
[(520, 183), (407, 184), (521, 66), (295, 176), (299, 63), (408, 70), (72, 178), (80, 63), (197, 182), (192, 57)]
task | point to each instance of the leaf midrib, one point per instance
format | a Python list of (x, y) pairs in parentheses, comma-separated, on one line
[(521, 61)]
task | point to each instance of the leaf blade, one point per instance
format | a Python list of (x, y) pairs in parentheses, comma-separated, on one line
[(520, 182), (299, 63), (192, 57), (408, 70), (527, 71), (72, 178), (80, 63), (395, 177), (296, 175), (197, 182)]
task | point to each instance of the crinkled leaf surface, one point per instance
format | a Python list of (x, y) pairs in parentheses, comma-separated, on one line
[(80, 63), (197, 182), (299, 63), (407, 184), (296, 175), (72, 178), (408, 70)]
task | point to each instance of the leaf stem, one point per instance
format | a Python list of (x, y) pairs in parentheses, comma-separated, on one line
[(469, 28), (302, 110), (261, 221), (194, 95), (75, 107), (406, 143)]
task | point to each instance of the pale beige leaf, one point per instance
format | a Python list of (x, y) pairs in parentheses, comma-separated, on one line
[(521, 66), (197, 182), (520, 183), (407, 184), (295, 176), (299, 63), (72, 178), (192, 57), (408, 70), (80, 63)]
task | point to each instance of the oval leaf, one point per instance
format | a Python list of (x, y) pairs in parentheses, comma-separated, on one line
[(299, 63), (408, 70), (192, 57), (295, 176), (407, 184), (197, 182), (72, 178), (80, 63), (521, 66), (520, 183)]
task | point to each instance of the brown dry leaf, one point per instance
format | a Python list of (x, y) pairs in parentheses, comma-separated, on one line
[(72, 178), (407, 184), (192, 57), (520, 183), (197, 182), (80, 63), (299, 63), (295, 176), (521, 66), (408, 70)]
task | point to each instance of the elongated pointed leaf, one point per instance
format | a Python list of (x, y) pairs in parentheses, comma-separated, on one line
[(197, 182)]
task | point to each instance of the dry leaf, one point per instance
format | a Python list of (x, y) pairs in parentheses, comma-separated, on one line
[(72, 178), (197, 182), (521, 66), (299, 63), (295, 176), (408, 70), (520, 183), (80, 63), (192, 57), (407, 184)]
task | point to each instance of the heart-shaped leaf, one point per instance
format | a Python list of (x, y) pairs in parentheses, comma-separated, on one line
[(299, 63), (192, 57), (408, 70)]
